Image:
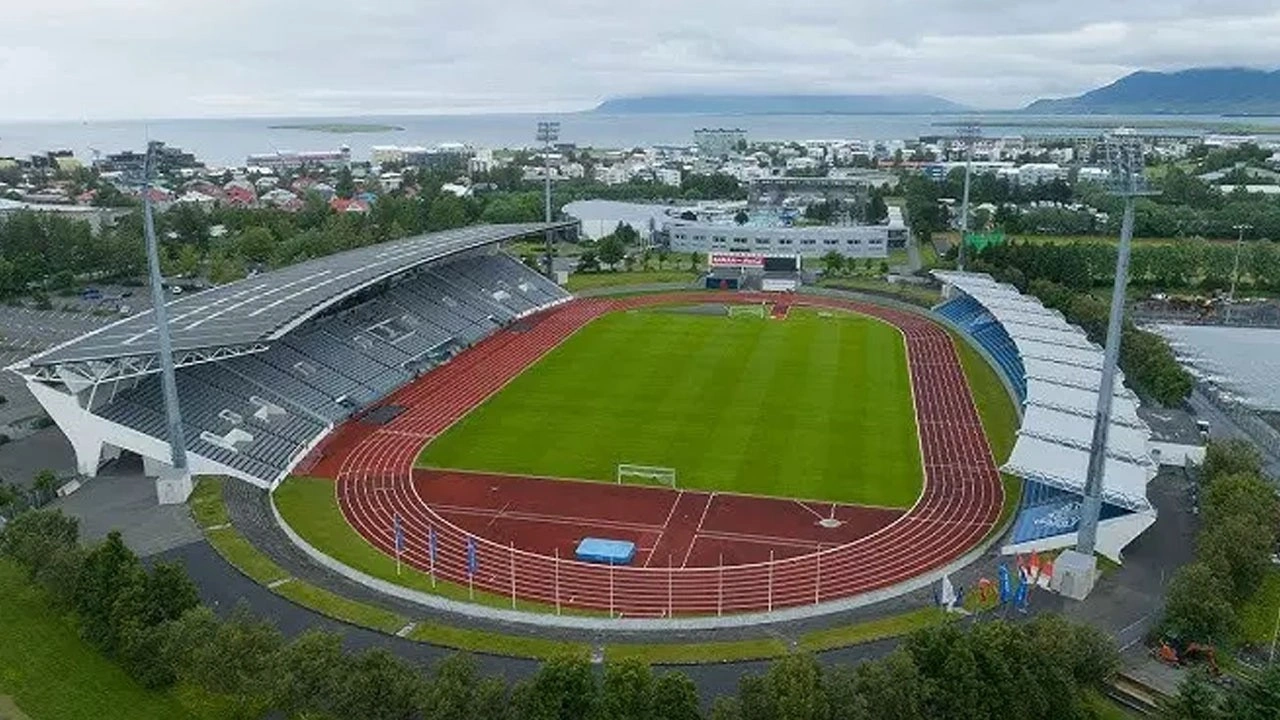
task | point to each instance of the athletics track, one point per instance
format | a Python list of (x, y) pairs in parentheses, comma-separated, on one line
[(698, 553)]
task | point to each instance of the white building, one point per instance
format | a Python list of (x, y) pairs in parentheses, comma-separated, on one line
[(668, 176), (717, 142), (858, 241)]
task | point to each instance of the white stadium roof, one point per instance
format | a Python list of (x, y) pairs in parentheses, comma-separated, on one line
[(1062, 372)]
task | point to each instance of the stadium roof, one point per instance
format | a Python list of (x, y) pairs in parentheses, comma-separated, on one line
[(1062, 369), (267, 306)]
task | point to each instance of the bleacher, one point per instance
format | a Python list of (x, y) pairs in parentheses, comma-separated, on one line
[(1046, 512), (974, 320), (259, 413)]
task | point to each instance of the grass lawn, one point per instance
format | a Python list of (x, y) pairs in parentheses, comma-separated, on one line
[(1258, 613), (877, 629), (51, 674), (810, 407), (590, 281)]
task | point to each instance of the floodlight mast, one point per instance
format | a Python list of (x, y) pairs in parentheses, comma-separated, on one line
[(969, 133), (548, 133), (1235, 269), (1124, 156), (177, 440)]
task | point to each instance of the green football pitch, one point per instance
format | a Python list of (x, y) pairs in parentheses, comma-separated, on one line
[(816, 406)]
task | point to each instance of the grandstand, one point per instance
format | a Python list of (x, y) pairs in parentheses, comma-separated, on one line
[(1054, 370), (267, 366)]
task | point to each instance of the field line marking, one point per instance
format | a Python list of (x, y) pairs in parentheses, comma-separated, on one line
[(662, 531), (705, 509)]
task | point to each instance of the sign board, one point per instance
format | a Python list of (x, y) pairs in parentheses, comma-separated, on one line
[(750, 260)]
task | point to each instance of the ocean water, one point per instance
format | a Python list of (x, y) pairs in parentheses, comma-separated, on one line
[(228, 141)]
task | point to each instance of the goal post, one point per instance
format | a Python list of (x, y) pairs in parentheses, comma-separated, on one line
[(662, 475)]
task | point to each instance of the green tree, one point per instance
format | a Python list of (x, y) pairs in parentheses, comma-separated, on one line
[(1238, 550), (344, 184), (1239, 494), (45, 483), (610, 250), (1196, 608), (34, 537), (1256, 699), (452, 693), (379, 686), (832, 263), (1231, 457), (8, 498), (627, 691), (564, 688), (1197, 699), (587, 261), (693, 261), (675, 698), (109, 569), (308, 675), (255, 244), (741, 217), (664, 253)]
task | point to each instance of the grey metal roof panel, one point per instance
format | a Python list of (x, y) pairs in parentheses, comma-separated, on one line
[(265, 307)]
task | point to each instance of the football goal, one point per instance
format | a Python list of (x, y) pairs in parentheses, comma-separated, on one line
[(662, 475), (756, 310)]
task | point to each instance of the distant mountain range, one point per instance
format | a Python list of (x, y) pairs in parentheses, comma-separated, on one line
[(779, 105), (1199, 91)]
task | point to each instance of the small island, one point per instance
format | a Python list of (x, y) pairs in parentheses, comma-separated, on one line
[(339, 128)]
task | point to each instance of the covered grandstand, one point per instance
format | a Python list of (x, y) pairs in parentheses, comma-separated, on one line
[(268, 365), (1054, 371)]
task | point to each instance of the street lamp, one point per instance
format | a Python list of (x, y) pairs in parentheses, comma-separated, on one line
[(1235, 270), (548, 133)]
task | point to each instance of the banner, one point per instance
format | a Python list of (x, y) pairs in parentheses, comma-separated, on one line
[(1006, 592), (473, 563), (750, 260)]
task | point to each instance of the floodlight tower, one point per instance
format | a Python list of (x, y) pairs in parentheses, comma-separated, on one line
[(1124, 160), (1242, 228), (548, 133), (968, 132), (179, 482)]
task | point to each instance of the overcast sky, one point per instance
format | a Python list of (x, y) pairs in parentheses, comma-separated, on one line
[(96, 59)]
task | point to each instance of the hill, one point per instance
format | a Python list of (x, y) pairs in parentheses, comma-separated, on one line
[(778, 105), (1208, 91)]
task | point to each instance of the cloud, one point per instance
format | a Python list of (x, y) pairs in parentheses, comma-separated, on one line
[(78, 59)]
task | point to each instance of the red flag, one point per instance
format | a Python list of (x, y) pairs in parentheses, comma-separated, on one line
[(1035, 564)]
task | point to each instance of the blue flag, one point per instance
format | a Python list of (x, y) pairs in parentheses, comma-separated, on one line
[(472, 563), (1005, 590), (399, 535), (1020, 598), (431, 544)]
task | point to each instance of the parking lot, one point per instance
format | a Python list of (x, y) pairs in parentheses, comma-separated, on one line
[(23, 332)]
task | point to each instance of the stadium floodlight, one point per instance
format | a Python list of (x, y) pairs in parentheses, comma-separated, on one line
[(1235, 269), (548, 133), (177, 440), (969, 132), (1124, 161)]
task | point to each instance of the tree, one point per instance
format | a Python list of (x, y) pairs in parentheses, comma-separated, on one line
[(627, 691), (308, 673), (33, 538), (45, 483), (741, 217), (675, 698), (255, 244), (664, 252), (8, 497), (610, 250), (1238, 550), (344, 184), (832, 263), (626, 234), (693, 261), (1256, 699), (109, 569), (587, 261), (1239, 494), (379, 686), (451, 693), (564, 688), (1231, 457), (1197, 699), (1196, 608)]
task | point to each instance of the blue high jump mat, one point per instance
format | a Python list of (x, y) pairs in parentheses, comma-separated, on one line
[(600, 550)]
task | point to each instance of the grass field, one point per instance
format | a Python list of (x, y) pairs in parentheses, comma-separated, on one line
[(51, 674), (810, 407)]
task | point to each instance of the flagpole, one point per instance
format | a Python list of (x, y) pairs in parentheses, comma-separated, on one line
[(720, 589), (670, 608), (513, 575), (817, 578), (557, 580), (433, 557), (770, 579), (610, 589)]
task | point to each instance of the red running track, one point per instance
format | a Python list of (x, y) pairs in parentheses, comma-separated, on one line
[(958, 506)]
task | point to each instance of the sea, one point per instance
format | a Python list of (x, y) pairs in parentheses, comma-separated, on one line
[(228, 141)]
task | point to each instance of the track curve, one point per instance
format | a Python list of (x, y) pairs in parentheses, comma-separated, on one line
[(959, 504)]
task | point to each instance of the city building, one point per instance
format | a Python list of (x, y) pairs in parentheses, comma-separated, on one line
[(718, 142), (857, 241), (288, 160)]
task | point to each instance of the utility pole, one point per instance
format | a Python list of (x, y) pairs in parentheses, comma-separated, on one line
[(1124, 155), (1235, 270), (969, 133), (548, 133), (177, 440)]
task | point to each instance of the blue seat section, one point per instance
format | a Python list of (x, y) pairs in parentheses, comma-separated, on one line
[(1046, 512), (610, 552), (974, 320)]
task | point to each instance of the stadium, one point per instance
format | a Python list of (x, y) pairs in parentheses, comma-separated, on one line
[(672, 455)]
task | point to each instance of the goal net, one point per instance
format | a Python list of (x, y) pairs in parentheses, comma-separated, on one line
[(662, 475), (747, 310)]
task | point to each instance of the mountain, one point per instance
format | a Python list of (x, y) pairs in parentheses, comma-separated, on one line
[(1202, 91), (779, 105)]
